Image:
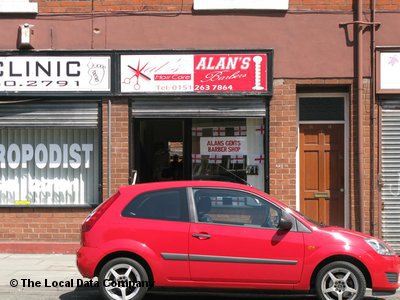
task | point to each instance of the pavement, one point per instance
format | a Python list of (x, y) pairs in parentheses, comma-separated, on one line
[(55, 276), (39, 276)]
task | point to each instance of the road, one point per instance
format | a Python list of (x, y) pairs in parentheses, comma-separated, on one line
[(6, 293)]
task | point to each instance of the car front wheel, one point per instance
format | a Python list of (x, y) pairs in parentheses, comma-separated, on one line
[(340, 281), (123, 279)]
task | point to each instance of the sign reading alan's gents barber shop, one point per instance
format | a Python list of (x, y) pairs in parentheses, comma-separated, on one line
[(55, 74)]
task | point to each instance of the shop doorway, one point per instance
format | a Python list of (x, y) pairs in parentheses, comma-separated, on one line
[(224, 149), (160, 149), (322, 158), (322, 173)]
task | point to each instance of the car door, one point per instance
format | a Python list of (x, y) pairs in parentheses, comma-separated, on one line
[(235, 239), (159, 221)]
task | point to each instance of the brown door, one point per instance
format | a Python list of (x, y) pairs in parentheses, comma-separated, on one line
[(322, 172)]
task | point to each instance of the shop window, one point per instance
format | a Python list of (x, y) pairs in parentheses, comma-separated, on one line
[(49, 166), (229, 150)]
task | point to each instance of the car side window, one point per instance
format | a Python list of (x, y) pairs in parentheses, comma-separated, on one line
[(168, 205), (229, 207)]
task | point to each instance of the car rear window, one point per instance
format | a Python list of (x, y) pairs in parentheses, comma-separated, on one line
[(168, 205)]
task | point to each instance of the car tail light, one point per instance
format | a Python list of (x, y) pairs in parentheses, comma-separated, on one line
[(95, 215)]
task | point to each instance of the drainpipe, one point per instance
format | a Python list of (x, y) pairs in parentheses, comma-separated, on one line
[(372, 123), (360, 89), (109, 148)]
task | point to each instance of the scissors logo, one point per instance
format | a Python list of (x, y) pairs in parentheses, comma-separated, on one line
[(138, 73)]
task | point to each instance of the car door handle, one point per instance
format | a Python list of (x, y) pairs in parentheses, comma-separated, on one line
[(201, 236)]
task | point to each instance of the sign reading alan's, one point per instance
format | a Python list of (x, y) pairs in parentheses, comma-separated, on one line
[(55, 73), (195, 73)]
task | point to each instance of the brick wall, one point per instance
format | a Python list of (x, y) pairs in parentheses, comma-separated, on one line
[(41, 224), (283, 141), (119, 146)]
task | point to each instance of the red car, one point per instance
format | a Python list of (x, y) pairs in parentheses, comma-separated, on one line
[(209, 234)]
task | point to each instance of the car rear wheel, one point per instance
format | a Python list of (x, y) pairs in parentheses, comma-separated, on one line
[(123, 279), (340, 281)]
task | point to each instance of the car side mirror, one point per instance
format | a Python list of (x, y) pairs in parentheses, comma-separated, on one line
[(285, 224)]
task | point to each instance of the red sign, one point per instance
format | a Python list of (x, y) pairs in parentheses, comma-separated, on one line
[(230, 72), (196, 73)]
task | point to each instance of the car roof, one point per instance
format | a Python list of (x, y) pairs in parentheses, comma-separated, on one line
[(145, 187), (187, 183)]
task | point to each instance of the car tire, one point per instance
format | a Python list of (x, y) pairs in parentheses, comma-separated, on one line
[(123, 276), (340, 280)]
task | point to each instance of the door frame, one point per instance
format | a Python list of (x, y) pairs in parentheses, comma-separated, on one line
[(346, 146)]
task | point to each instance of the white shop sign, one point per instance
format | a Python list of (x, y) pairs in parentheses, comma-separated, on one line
[(223, 145), (55, 73)]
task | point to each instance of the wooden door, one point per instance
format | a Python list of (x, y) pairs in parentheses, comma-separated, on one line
[(322, 172)]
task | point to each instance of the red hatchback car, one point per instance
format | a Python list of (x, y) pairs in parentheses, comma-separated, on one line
[(209, 234)]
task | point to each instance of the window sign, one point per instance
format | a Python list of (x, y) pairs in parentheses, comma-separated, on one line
[(49, 166), (223, 145)]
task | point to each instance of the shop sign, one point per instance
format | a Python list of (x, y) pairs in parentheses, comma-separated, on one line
[(223, 145), (195, 73), (240, 4), (55, 73), (388, 79), (52, 156)]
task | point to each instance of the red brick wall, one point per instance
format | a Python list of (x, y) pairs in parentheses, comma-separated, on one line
[(57, 6), (119, 146), (283, 141), (41, 224)]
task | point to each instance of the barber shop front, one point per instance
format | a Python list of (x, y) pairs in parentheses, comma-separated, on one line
[(216, 129)]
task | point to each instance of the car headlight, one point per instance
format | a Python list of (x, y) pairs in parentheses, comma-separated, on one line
[(380, 247)]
